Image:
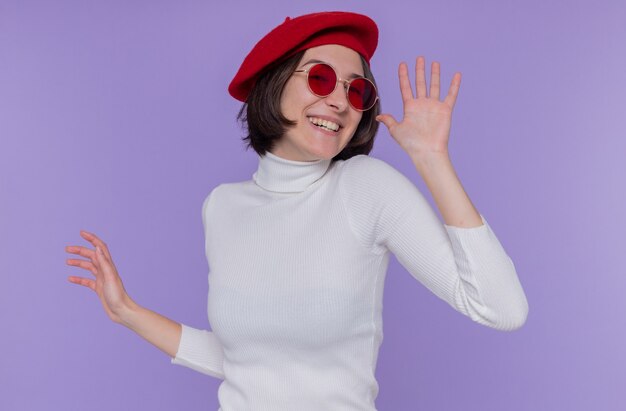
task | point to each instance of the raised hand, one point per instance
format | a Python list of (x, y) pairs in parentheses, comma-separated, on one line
[(107, 284), (425, 128)]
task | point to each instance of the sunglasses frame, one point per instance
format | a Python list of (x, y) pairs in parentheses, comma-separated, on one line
[(346, 84)]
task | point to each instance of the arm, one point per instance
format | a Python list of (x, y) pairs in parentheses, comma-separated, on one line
[(476, 250), (455, 206), (190, 347), (462, 261), (194, 348), (466, 267), (121, 309), (158, 330)]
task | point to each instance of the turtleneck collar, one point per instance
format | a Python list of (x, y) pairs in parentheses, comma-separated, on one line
[(288, 176)]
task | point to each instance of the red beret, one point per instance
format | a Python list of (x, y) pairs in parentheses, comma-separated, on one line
[(351, 30)]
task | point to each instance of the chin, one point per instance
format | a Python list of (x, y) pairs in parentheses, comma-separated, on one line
[(324, 154)]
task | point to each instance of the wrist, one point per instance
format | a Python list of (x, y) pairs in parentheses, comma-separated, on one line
[(427, 161), (129, 313)]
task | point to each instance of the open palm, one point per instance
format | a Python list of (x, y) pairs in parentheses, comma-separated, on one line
[(425, 127)]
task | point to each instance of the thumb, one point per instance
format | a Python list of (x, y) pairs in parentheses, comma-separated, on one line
[(387, 120)]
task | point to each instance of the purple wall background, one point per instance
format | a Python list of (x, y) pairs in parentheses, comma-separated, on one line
[(114, 118)]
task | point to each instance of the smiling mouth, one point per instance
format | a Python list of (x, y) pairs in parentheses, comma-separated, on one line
[(324, 124)]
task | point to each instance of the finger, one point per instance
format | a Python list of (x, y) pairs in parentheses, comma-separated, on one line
[(93, 239), (420, 77), (85, 252), (82, 281), (387, 120), (434, 80), (454, 90), (405, 83), (82, 251), (103, 265), (83, 264)]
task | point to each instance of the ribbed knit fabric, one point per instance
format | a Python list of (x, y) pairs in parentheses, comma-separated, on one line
[(297, 261)]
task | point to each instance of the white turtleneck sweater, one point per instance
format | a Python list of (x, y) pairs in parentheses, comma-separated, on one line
[(297, 261)]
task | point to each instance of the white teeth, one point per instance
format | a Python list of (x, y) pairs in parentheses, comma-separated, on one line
[(324, 123)]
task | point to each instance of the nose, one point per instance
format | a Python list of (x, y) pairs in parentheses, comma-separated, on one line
[(338, 99)]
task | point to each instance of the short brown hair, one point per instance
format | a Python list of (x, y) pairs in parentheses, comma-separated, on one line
[(262, 116)]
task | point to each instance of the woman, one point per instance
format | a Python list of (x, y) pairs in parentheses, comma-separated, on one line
[(298, 254)]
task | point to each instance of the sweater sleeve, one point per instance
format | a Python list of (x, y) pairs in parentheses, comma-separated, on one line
[(199, 349), (466, 267)]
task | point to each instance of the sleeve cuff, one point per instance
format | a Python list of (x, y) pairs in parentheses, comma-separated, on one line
[(201, 351), (453, 228)]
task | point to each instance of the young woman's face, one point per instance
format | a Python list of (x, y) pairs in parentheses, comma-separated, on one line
[(307, 141)]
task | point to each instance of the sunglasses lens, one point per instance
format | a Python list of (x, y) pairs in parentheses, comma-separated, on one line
[(322, 79), (362, 94)]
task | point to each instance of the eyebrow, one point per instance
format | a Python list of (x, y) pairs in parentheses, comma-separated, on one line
[(351, 76)]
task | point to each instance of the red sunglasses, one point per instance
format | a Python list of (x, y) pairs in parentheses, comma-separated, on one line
[(322, 80)]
